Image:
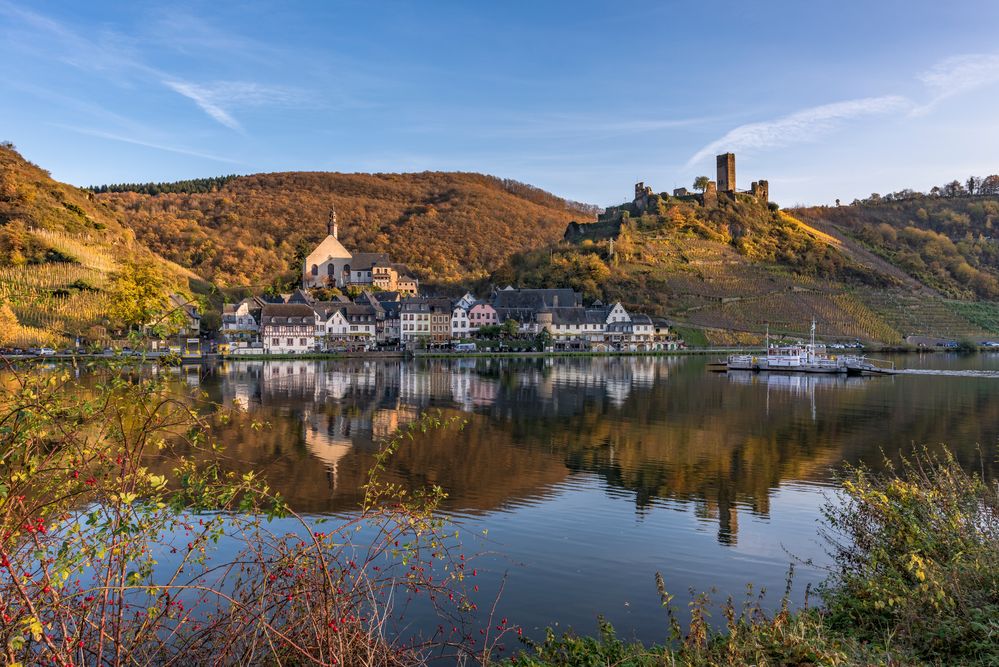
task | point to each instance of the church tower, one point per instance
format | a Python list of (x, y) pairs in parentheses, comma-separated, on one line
[(331, 227)]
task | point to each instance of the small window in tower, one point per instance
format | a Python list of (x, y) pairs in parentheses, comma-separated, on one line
[(315, 270)]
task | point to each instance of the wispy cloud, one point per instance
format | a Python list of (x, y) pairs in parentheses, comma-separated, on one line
[(957, 75), (801, 126), (113, 56), (141, 142), (217, 99)]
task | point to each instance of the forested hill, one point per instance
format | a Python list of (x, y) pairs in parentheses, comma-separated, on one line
[(59, 249), (250, 229)]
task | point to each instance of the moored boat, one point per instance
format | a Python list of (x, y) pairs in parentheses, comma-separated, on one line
[(799, 357)]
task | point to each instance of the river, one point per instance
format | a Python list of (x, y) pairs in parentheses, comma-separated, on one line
[(577, 479)]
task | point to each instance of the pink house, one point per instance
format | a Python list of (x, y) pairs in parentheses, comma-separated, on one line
[(481, 314)]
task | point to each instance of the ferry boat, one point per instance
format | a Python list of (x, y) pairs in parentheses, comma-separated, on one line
[(808, 357)]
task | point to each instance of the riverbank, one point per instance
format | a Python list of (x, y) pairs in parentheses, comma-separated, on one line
[(443, 354)]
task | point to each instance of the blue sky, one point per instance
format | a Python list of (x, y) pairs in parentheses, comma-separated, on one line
[(826, 100)]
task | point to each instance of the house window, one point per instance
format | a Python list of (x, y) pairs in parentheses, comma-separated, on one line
[(315, 269), (291, 342), (301, 342)]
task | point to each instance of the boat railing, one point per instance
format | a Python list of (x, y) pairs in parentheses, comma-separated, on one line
[(886, 364)]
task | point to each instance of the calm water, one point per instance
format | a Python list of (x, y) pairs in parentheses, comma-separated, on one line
[(592, 474)]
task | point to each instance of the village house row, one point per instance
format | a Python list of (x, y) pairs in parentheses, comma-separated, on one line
[(390, 312)]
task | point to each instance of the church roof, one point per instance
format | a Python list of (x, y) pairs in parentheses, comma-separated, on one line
[(363, 261), (329, 248)]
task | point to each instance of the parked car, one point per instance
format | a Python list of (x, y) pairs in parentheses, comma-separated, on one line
[(46, 352)]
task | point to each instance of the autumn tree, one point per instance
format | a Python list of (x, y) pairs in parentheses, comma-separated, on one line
[(140, 295), (510, 327), (9, 326), (701, 183), (953, 189), (989, 185)]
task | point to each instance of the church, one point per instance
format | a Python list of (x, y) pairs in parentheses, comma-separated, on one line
[(332, 265)]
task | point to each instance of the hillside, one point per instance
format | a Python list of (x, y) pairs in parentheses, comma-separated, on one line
[(58, 252), (446, 226), (737, 267), (946, 243)]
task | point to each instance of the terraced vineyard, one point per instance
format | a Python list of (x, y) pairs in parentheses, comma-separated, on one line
[(931, 316), (836, 316), (61, 299), (984, 314)]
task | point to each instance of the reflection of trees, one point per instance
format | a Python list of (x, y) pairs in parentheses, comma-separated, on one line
[(660, 429)]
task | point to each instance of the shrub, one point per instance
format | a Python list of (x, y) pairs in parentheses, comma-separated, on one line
[(917, 560), (105, 561)]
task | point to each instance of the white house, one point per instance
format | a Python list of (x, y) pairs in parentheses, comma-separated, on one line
[(466, 301), (347, 325), (239, 320), (460, 324), (575, 327), (288, 328), (635, 335)]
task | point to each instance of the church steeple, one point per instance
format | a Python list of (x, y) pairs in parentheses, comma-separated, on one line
[(331, 229)]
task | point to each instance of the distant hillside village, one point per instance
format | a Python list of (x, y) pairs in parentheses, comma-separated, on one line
[(390, 313)]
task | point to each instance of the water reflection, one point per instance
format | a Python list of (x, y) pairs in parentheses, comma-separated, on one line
[(653, 429)]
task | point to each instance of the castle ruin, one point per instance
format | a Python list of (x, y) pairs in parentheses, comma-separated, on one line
[(761, 190), (643, 196), (724, 186)]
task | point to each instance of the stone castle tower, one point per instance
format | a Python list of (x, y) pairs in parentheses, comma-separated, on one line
[(726, 172), (761, 190)]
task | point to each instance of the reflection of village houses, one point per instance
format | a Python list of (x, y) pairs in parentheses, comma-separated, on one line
[(595, 417), (360, 403)]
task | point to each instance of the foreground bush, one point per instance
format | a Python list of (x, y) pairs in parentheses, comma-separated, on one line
[(104, 562), (917, 561), (915, 580)]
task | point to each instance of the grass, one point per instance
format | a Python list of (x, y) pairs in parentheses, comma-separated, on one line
[(984, 314), (693, 337)]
